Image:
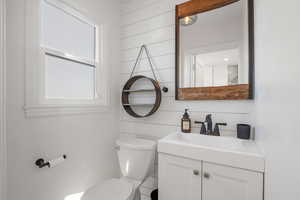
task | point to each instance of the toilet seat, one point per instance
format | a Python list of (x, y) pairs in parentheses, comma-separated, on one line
[(113, 189)]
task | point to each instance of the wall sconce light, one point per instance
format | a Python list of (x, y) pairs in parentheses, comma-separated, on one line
[(188, 20)]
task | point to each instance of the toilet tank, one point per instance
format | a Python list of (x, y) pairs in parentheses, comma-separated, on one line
[(136, 156)]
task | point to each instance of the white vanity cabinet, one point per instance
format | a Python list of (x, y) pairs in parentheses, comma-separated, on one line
[(187, 179), (179, 178)]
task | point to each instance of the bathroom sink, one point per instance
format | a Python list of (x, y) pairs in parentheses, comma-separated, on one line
[(223, 150)]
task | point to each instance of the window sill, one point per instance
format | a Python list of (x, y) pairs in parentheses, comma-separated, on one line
[(54, 110)]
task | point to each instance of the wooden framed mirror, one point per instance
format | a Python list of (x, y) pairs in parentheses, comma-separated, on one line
[(214, 50)]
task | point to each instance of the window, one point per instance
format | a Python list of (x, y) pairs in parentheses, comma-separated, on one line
[(68, 43), (68, 69)]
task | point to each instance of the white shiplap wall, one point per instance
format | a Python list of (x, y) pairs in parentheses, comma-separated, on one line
[(151, 22), (3, 99)]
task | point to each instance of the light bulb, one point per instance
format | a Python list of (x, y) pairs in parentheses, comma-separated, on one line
[(188, 20)]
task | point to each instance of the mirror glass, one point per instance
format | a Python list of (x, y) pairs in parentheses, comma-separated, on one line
[(214, 47)]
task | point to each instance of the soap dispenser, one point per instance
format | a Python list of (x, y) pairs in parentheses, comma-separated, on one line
[(186, 126)]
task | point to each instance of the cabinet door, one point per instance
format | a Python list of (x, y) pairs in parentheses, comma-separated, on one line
[(179, 178), (226, 183)]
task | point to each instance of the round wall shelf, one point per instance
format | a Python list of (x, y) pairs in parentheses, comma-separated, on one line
[(127, 91)]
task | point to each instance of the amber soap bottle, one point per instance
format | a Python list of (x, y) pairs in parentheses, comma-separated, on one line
[(186, 122)]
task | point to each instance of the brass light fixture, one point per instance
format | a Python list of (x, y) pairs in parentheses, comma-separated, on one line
[(188, 20)]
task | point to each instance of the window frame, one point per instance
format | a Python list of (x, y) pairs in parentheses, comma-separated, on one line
[(36, 103)]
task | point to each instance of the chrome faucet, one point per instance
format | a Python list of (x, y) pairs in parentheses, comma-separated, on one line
[(206, 128)]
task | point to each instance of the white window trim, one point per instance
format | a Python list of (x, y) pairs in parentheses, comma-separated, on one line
[(54, 52), (35, 103), (3, 99)]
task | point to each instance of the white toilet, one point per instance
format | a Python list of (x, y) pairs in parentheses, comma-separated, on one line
[(136, 156)]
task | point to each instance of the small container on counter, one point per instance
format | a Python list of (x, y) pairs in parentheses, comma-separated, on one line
[(243, 131), (186, 125)]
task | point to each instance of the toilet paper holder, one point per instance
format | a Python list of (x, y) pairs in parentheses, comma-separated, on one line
[(51, 163)]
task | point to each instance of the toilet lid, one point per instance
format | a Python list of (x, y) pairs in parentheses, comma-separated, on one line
[(114, 189)]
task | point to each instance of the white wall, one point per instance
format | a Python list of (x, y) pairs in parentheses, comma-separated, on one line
[(277, 95), (88, 140), (2, 102), (152, 22)]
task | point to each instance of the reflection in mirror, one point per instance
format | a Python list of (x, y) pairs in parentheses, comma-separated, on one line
[(214, 47), (217, 68)]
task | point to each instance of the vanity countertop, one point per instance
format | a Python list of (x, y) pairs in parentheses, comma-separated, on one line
[(234, 152)]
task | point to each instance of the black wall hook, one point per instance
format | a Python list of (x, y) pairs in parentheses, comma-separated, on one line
[(41, 163), (165, 89)]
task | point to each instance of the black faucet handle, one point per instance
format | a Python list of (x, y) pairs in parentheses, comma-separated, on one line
[(221, 124), (203, 128), (217, 129)]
